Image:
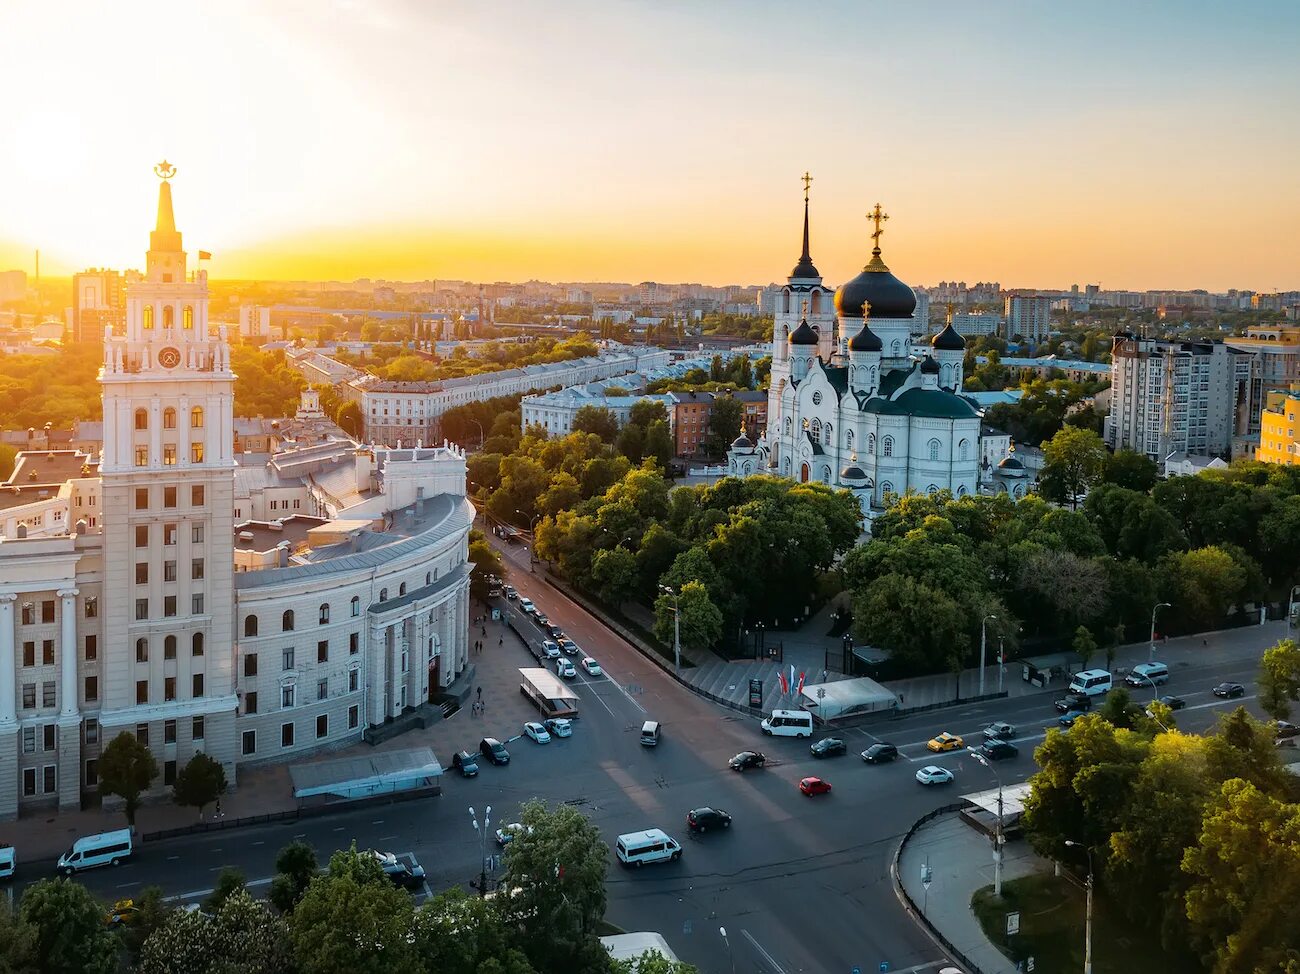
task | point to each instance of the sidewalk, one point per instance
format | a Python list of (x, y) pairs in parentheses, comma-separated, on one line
[(961, 862)]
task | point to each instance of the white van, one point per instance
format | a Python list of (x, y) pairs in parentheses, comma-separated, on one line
[(8, 861), (652, 845), (788, 723), (650, 733), (104, 849), (1145, 674), (1091, 683)]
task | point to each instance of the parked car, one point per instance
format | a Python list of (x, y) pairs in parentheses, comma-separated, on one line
[(934, 775), (746, 760), (1284, 729), (466, 763), (827, 747), (527, 606), (1229, 690), (536, 732), (591, 666), (815, 786), (1172, 702), (879, 753), (508, 833), (945, 742), (511, 592), (494, 751), (1068, 718), (398, 872), (998, 750), (1000, 731), (705, 818), (1074, 701), (560, 727), (565, 668)]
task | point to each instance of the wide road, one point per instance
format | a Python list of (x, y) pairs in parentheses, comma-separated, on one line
[(800, 884)]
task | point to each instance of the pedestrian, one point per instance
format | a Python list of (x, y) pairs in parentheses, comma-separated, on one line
[(501, 641), (485, 630), (219, 812), (480, 693)]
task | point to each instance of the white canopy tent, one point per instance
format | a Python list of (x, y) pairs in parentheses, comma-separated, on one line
[(844, 698)]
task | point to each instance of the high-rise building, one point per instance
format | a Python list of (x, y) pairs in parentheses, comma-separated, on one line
[(1279, 441), (98, 301), (1029, 316), (1274, 367), (972, 324)]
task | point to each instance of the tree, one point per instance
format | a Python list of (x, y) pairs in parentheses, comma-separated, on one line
[(242, 936), (1119, 709), (631, 441), (455, 933), (1073, 460), (200, 782), (1131, 470), (614, 572), (724, 424), (350, 420), (229, 882), (921, 626), (1084, 645), (598, 420), (70, 934), (126, 768), (295, 867), (1279, 679), (653, 962), (486, 561), (658, 443), (1202, 584), (701, 622), (17, 943)]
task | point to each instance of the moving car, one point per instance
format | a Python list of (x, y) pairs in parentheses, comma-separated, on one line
[(997, 750), (879, 753), (560, 727), (945, 742), (8, 861), (591, 666), (507, 833), (551, 649), (705, 818), (1000, 731), (466, 763), (649, 845), (827, 747), (746, 760), (1069, 717), (537, 732), (122, 913), (511, 592), (1172, 702), (1228, 690), (1074, 701), (527, 606), (1283, 729), (398, 872), (568, 647), (934, 775), (1146, 674), (565, 668), (541, 619), (103, 849), (787, 723), (494, 751), (555, 631), (815, 786), (650, 733)]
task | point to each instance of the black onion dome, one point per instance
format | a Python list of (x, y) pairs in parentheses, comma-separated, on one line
[(929, 366), (866, 340), (889, 297), (1010, 463), (741, 442), (803, 335), (948, 340), (805, 269), (853, 472)]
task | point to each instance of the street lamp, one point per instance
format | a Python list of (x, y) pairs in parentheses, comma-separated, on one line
[(1002, 660), (984, 633), (532, 537), (482, 846), (677, 626), (480, 433), (1087, 929), (997, 836), (1151, 656), (730, 956)]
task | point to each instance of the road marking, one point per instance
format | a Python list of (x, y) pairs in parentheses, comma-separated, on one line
[(260, 842), (200, 893), (340, 828), (385, 838), (172, 858), (301, 835), (378, 822), (921, 967), (605, 705), (127, 885), (766, 956)]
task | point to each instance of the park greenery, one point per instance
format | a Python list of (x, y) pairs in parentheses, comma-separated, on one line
[(348, 918), (402, 362)]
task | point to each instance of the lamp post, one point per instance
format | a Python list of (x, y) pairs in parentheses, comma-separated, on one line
[(984, 634), (482, 846), (1002, 660), (481, 437), (997, 835), (1087, 928), (1151, 655), (730, 956), (532, 537), (677, 626)]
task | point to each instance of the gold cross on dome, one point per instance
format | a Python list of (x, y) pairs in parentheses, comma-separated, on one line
[(866, 309), (805, 308), (878, 217), (807, 181)]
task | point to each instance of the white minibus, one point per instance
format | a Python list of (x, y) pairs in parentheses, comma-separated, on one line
[(788, 723), (650, 845), (104, 849), (1091, 683)]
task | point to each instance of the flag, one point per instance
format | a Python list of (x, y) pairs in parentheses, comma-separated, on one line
[(780, 675), (205, 255), (800, 687), (792, 676)]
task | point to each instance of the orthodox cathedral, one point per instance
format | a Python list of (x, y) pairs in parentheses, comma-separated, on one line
[(852, 402)]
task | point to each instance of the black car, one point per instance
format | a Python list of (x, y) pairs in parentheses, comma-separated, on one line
[(399, 873), (494, 751), (555, 631), (746, 760), (828, 746), (542, 620), (1227, 690), (997, 750), (1074, 701), (1172, 702), (880, 753), (466, 763), (703, 819), (1284, 729)]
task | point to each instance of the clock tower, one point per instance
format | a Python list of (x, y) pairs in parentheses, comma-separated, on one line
[(168, 493)]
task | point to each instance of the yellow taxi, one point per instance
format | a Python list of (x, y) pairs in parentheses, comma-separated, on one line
[(946, 742), (124, 912)]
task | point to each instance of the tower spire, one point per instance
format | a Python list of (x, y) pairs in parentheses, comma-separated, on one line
[(164, 236), (805, 267)]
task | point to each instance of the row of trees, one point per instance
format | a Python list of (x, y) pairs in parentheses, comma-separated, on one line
[(644, 436), (399, 363), (347, 919), (266, 385), (127, 768)]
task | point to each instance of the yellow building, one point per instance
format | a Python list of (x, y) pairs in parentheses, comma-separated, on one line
[(1278, 426)]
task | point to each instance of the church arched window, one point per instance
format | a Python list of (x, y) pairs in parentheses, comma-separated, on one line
[(896, 348), (169, 316), (871, 444), (187, 317), (848, 439), (1020, 491), (886, 490), (826, 474), (933, 446), (871, 383), (829, 432), (961, 491), (815, 431), (785, 301), (196, 417), (169, 418), (887, 446), (945, 376), (931, 490), (785, 467), (141, 419), (146, 317), (963, 450), (816, 305), (789, 425)]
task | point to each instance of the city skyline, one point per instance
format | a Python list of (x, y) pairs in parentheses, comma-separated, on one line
[(630, 141)]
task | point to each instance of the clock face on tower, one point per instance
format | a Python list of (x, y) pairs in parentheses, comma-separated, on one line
[(169, 358)]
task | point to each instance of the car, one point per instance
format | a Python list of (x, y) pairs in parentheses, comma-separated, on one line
[(123, 914), (494, 751), (511, 592), (1074, 701), (705, 818), (999, 750), (560, 727), (1229, 690), (934, 775), (1069, 717), (999, 731), (398, 872), (945, 742), (538, 733), (1284, 730), (551, 649), (591, 666), (466, 763), (541, 619), (568, 647), (494, 592), (827, 747), (746, 760), (508, 833), (815, 786), (879, 753), (1172, 702), (554, 631), (565, 668), (527, 606)]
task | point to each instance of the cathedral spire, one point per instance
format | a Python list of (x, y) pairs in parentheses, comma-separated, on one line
[(165, 236), (805, 267)]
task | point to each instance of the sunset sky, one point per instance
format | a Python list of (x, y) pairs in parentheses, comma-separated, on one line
[(1133, 144)]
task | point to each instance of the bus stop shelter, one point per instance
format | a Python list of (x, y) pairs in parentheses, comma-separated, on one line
[(847, 698), (366, 776)]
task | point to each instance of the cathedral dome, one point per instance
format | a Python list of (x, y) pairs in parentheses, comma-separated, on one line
[(741, 442), (866, 340), (853, 475), (803, 335), (1009, 466), (929, 366), (889, 297), (948, 340)]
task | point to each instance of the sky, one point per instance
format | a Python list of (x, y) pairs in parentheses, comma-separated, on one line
[(1035, 143)]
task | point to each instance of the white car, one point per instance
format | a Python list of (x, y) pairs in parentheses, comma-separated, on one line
[(551, 649), (527, 606), (565, 668), (537, 732), (934, 775), (510, 591), (560, 727), (591, 666), (506, 834)]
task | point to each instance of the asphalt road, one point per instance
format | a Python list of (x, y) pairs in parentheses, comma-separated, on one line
[(800, 884)]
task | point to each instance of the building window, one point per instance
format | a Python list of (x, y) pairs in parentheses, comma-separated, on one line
[(323, 651), (169, 535), (142, 498), (29, 740), (196, 729), (196, 417), (169, 732), (29, 696), (141, 419), (286, 658), (92, 608), (169, 418), (286, 735), (196, 453), (249, 743), (401, 590), (169, 455), (887, 446), (141, 691), (250, 664), (322, 726), (250, 702), (169, 317), (29, 653), (169, 647), (198, 684), (353, 677), (47, 737), (354, 716), (356, 606), (286, 621), (187, 317), (196, 568), (169, 497), (92, 772), (322, 689), (196, 533), (196, 644), (196, 495), (324, 613), (287, 695), (47, 652), (29, 782), (962, 449), (141, 572), (92, 647), (92, 730), (142, 650), (169, 606), (92, 688), (196, 604), (169, 571), (48, 698), (169, 767), (250, 625), (142, 456)]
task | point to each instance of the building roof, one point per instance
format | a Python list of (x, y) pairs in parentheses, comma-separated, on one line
[(51, 467), (803, 335), (948, 340), (930, 403), (372, 773)]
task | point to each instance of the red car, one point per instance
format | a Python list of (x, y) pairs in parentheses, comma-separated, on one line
[(815, 786)]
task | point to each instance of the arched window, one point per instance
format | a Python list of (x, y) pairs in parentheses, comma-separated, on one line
[(829, 432), (401, 590), (169, 418), (356, 606), (428, 577), (250, 625), (945, 376), (887, 446), (141, 419), (789, 425), (187, 317), (826, 474), (147, 317), (1020, 491), (963, 449), (815, 431), (886, 490), (933, 446), (961, 491), (871, 384), (816, 306), (169, 316), (196, 417), (931, 490), (785, 303), (169, 647), (785, 466), (871, 444), (848, 439), (142, 650), (897, 348), (324, 613), (383, 595), (196, 644), (286, 621)]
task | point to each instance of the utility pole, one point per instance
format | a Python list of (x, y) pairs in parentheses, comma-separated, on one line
[(984, 638), (482, 847), (677, 626)]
